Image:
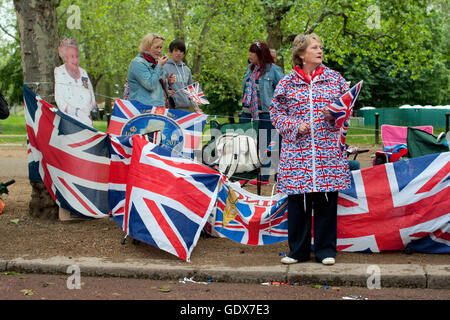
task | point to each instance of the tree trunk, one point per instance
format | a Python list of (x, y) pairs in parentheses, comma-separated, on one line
[(275, 38), (177, 10), (39, 41), (275, 35), (213, 8)]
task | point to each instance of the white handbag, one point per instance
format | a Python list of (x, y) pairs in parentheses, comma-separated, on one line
[(237, 153)]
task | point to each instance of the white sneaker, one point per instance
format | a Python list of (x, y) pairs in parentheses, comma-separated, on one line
[(328, 261), (288, 260)]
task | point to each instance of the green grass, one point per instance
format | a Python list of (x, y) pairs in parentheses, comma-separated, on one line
[(14, 140), (101, 125), (14, 125), (14, 131)]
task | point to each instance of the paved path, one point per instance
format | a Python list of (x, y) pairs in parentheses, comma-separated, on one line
[(340, 274), (12, 167), (390, 275)]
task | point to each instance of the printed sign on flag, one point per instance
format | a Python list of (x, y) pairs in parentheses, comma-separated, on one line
[(181, 131), (248, 218)]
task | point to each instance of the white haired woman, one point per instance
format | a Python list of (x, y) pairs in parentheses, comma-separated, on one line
[(312, 168), (74, 93)]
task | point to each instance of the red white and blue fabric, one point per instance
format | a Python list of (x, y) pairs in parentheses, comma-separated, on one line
[(165, 200), (126, 90), (311, 162), (121, 149), (195, 93), (342, 109), (251, 97), (397, 205), (191, 124), (260, 220), (71, 159)]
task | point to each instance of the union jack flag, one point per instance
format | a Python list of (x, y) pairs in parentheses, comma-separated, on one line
[(121, 149), (71, 158), (181, 131), (196, 95), (397, 205), (342, 109), (250, 219), (157, 198)]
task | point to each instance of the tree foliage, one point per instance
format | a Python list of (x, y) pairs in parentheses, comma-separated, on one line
[(400, 48)]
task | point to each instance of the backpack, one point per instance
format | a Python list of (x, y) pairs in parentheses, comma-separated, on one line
[(236, 153), (4, 110)]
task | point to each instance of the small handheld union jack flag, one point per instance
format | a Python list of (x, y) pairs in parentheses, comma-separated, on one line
[(341, 110), (196, 95)]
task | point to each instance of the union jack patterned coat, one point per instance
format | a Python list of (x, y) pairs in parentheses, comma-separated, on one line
[(312, 162)]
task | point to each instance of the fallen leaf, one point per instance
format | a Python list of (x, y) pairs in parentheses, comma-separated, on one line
[(27, 292), (15, 221), (164, 289), (8, 273)]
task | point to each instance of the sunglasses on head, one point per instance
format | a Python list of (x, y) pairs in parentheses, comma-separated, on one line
[(155, 36)]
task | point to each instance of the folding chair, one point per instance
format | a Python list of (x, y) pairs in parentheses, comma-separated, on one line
[(210, 152), (395, 143), (421, 143), (395, 135)]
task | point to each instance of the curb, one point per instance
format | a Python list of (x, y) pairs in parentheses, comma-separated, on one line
[(341, 274)]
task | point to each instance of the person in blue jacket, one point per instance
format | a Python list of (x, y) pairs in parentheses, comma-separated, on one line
[(260, 80), (147, 80)]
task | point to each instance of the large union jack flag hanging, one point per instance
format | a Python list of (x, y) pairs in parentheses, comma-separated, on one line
[(342, 109), (250, 219), (181, 131), (196, 95), (160, 199), (71, 158), (397, 205), (388, 207)]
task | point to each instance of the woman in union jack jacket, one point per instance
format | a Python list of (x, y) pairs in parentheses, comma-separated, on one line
[(312, 168)]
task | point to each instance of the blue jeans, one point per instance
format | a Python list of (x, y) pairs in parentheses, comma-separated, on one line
[(271, 134), (354, 165)]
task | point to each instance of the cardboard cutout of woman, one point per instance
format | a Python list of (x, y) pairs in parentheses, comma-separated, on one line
[(74, 94)]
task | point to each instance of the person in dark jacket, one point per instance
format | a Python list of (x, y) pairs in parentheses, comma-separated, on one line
[(4, 109)]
